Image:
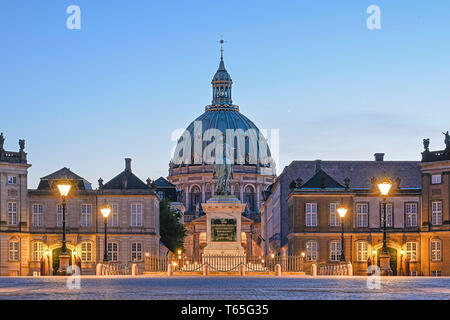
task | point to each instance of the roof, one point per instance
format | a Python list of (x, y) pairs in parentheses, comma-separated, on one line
[(163, 183), (125, 180), (322, 180), (64, 173)]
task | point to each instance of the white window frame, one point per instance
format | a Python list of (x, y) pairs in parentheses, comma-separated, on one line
[(335, 219), (113, 219), (435, 273), (311, 214), (12, 213), (362, 216), (86, 215), (37, 210), (362, 250), (436, 250), (411, 213), (37, 250), (136, 215), (436, 213), (86, 251), (12, 180), (113, 251), (335, 250), (312, 250), (14, 249), (389, 215), (411, 251), (136, 251), (436, 179), (59, 215)]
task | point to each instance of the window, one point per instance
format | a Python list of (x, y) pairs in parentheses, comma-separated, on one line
[(362, 251), (86, 252), (411, 251), (362, 215), (136, 251), (335, 250), (436, 250), (436, 273), (37, 250), (14, 250), (195, 197), (86, 215), (413, 273), (59, 215), (311, 250), (12, 213), (411, 214), (38, 215), (436, 179), (12, 180), (161, 194), (249, 198), (436, 213), (311, 214), (335, 220), (113, 219), (389, 215), (136, 215), (113, 251)]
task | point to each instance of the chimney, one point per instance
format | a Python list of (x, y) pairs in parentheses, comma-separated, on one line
[(127, 164), (379, 157), (318, 165)]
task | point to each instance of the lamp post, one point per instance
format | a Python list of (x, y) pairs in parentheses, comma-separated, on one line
[(384, 186), (64, 187), (402, 252), (342, 210), (105, 210)]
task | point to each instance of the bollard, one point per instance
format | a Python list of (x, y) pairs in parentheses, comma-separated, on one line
[(134, 269), (278, 270), (169, 270), (205, 270), (314, 270), (349, 269), (98, 269), (242, 270)]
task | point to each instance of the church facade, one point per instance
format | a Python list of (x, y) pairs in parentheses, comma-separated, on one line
[(31, 220)]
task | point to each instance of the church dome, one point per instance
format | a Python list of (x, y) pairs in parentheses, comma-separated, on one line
[(240, 140)]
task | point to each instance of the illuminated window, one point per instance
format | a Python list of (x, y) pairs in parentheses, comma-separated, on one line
[(136, 251), (362, 252), (436, 213), (37, 250), (411, 251), (14, 250), (113, 251), (335, 250), (436, 250), (311, 250), (86, 252)]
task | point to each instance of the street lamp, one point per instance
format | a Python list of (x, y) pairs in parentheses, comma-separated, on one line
[(402, 252), (64, 187), (384, 186), (105, 210), (342, 210)]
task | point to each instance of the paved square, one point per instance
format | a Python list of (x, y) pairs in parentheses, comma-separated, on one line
[(223, 288)]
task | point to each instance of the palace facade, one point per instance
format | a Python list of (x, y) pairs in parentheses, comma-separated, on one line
[(31, 220), (299, 214)]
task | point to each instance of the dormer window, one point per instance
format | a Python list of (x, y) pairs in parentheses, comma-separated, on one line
[(436, 179), (12, 180)]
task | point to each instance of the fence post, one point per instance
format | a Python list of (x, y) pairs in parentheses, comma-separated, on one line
[(242, 270), (314, 270), (98, 269), (205, 270), (278, 270), (134, 269), (349, 269)]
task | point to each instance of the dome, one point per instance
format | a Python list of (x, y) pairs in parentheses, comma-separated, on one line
[(222, 132)]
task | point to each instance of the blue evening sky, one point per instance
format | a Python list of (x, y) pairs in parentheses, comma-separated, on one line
[(137, 70)]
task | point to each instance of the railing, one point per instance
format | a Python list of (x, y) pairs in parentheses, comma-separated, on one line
[(224, 263), (334, 270), (115, 269)]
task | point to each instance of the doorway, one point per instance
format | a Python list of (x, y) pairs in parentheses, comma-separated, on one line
[(55, 259)]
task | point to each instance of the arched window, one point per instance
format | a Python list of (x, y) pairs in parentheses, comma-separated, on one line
[(249, 198), (195, 197), (37, 250)]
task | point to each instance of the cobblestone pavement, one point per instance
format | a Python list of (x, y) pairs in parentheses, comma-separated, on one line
[(223, 288)]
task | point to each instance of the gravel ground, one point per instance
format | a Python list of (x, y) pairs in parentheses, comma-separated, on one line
[(225, 288)]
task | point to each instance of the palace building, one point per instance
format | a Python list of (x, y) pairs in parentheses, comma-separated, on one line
[(31, 220), (221, 128), (299, 214)]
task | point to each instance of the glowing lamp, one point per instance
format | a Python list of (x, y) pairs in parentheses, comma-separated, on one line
[(64, 188), (342, 210), (384, 185), (105, 210)]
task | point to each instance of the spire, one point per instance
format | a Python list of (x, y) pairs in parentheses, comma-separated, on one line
[(222, 83)]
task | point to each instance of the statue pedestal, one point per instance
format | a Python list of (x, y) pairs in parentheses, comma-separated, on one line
[(223, 226), (385, 266), (63, 264)]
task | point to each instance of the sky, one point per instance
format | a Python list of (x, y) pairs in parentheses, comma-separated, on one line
[(138, 70)]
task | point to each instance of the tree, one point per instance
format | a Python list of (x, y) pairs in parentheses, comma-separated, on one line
[(171, 230)]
